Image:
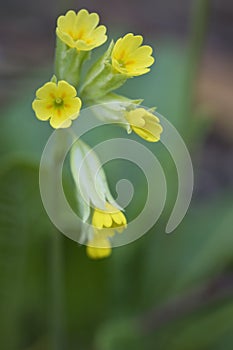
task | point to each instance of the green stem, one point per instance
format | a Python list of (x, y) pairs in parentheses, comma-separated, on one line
[(199, 29), (57, 302), (57, 262)]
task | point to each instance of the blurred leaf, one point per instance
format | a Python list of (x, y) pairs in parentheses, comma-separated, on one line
[(21, 132), (199, 248), (200, 331), (21, 211), (216, 251), (159, 266), (120, 334)]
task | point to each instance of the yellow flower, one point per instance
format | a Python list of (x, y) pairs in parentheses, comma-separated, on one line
[(80, 30), (99, 246), (57, 102), (130, 58), (145, 124), (110, 218), (105, 223)]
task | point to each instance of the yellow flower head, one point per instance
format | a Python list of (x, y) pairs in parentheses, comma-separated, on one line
[(57, 102), (130, 58), (145, 124), (110, 218), (99, 246), (80, 30)]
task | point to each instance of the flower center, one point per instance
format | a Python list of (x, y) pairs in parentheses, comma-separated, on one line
[(121, 63), (58, 101)]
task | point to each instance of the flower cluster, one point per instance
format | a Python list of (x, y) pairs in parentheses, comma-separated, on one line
[(59, 101)]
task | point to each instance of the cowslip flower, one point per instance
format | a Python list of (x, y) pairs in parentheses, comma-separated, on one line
[(105, 223), (145, 124), (58, 103), (130, 58), (130, 115), (81, 30)]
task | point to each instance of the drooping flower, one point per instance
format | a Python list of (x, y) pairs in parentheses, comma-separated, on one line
[(145, 124), (130, 57), (111, 217), (81, 30), (57, 102), (105, 223)]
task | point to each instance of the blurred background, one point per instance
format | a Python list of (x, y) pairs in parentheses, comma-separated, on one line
[(162, 291)]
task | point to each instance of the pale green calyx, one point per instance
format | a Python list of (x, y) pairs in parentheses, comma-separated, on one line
[(68, 62), (90, 180), (112, 107), (102, 78)]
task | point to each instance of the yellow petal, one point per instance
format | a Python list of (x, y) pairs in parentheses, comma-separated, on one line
[(60, 121), (145, 134), (98, 35), (97, 219), (155, 129), (66, 38), (66, 90), (98, 253), (47, 91), (66, 124), (86, 22), (95, 39), (107, 220), (142, 56), (127, 44), (43, 109), (99, 247), (82, 45), (66, 23), (119, 218), (135, 117), (72, 107)]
